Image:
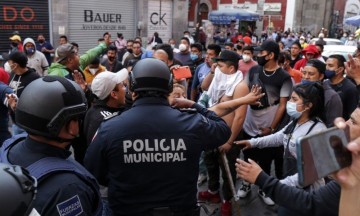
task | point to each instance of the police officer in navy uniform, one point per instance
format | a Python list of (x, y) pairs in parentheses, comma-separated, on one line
[(49, 110), (149, 155)]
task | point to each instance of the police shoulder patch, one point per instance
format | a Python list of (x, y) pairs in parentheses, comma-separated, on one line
[(108, 115), (70, 207)]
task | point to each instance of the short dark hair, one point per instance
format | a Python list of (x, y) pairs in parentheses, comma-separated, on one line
[(75, 44), (112, 48), (168, 49), (297, 43), (137, 42), (106, 33), (284, 56), (250, 48), (95, 61), (229, 44), (64, 36), (185, 38), (231, 63), (340, 59), (215, 47), (129, 41), (198, 46), (19, 57)]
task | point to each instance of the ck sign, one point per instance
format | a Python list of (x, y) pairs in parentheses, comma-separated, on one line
[(157, 18)]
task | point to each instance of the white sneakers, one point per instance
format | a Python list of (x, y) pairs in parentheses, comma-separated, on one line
[(267, 200), (245, 188)]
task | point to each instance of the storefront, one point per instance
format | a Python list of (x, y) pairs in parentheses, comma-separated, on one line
[(88, 20), (28, 17)]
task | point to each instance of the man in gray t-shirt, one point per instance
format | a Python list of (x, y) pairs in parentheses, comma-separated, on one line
[(261, 121)]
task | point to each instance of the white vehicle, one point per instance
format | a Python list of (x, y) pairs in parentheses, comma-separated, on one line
[(338, 49), (329, 41)]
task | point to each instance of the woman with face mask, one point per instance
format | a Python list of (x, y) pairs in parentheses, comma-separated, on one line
[(306, 109)]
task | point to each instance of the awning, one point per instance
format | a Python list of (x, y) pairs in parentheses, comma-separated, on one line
[(228, 15), (354, 21)]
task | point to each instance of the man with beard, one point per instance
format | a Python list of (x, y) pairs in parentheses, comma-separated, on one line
[(112, 63)]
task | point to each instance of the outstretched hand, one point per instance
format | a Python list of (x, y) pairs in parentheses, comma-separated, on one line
[(253, 98)]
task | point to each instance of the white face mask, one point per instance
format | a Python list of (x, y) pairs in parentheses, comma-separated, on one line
[(246, 58), (93, 70), (172, 46), (182, 47)]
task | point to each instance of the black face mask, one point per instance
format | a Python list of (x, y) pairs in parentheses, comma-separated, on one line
[(129, 50), (41, 41), (111, 58), (238, 47), (14, 44), (261, 60)]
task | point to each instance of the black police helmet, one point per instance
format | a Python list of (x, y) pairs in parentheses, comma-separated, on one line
[(18, 190), (151, 75), (47, 104)]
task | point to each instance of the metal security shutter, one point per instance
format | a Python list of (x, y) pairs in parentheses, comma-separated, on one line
[(29, 17), (89, 20)]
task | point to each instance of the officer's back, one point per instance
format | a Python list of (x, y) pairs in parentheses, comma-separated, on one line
[(49, 110), (148, 156)]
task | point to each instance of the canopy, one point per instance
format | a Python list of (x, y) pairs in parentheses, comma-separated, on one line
[(354, 21), (228, 15)]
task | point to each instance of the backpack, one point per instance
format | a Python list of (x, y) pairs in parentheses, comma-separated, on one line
[(48, 166)]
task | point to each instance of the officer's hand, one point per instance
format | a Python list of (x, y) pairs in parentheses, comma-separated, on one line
[(245, 143), (181, 103), (225, 148), (11, 101)]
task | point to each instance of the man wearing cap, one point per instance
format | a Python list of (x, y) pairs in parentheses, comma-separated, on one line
[(303, 42), (148, 156), (69, 60), (225, 86), (265, 119), (16, 44), (109, 89), (314, 71), (310, 52), (36, 59)]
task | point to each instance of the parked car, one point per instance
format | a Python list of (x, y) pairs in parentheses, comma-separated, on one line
[(338, 49), (329, 41)]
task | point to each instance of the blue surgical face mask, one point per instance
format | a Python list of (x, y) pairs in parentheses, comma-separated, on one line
[(330, 73), (30, 50), (194, 56), (292, 111)]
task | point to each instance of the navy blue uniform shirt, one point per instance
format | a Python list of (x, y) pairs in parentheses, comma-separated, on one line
[(58, 194), (149, 155)]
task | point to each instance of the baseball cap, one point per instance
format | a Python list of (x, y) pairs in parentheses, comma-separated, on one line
[(105, 82), (228, 55), (65, 51), (270, 46), (15, 37)]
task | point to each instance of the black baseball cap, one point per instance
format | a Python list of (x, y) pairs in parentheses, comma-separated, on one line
[(228, 55), (270, 46)]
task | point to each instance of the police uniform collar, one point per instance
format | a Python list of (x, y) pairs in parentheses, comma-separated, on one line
[(151, 100), (49, 150)]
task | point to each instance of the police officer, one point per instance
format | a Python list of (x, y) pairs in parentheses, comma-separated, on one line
[(49, 110), (149, 155)]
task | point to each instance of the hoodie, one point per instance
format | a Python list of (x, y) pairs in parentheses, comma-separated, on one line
[(309, 49), (37, 60)]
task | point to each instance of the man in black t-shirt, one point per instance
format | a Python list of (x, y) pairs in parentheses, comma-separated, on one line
[(335, 69)]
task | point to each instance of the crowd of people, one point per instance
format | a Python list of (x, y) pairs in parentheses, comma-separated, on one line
[(144, 139)]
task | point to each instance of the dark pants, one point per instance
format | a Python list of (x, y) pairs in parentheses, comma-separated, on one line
[(265, 156), (214, 162)]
